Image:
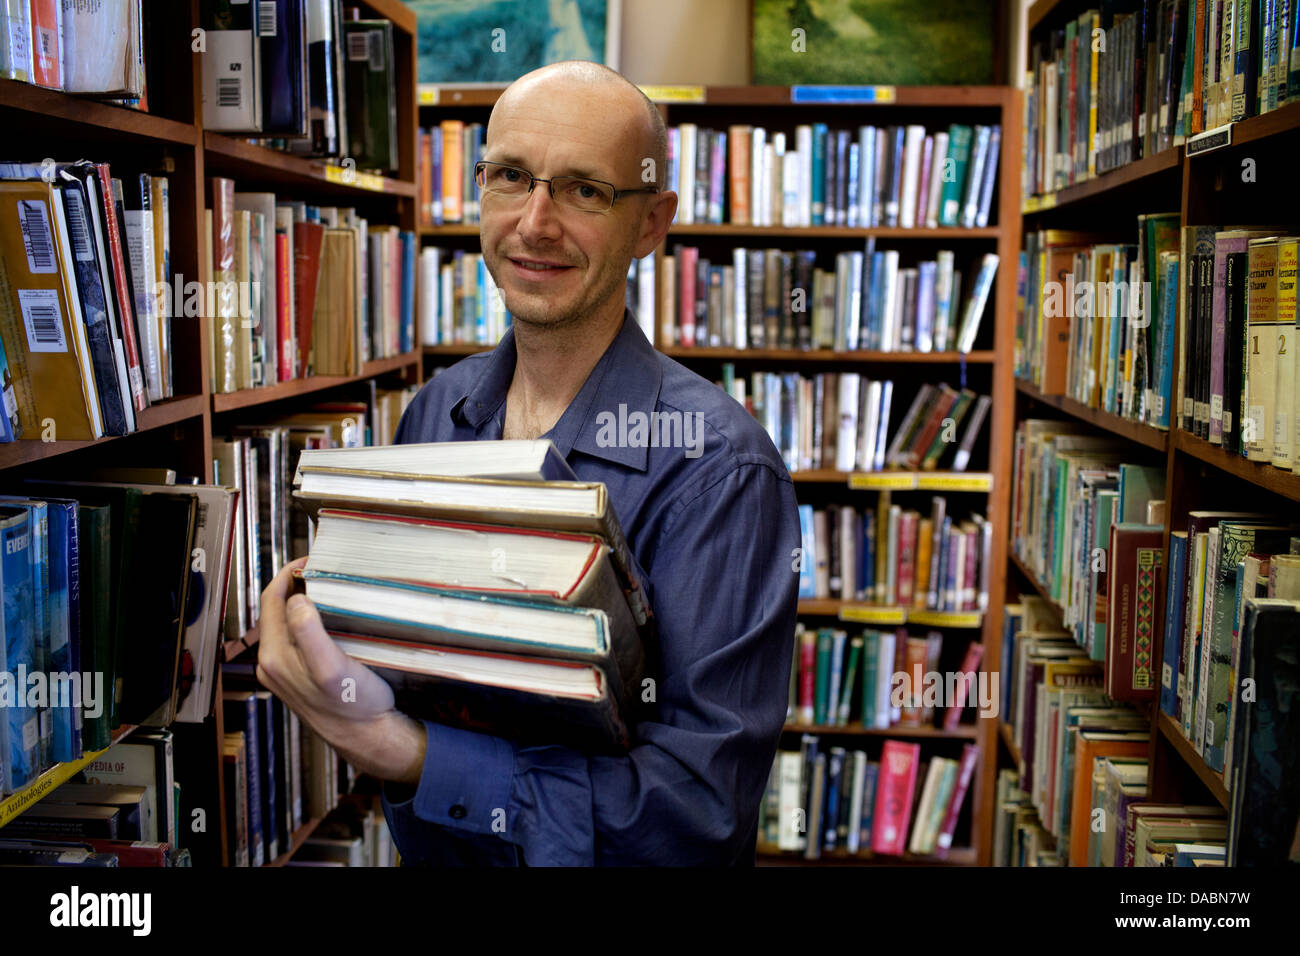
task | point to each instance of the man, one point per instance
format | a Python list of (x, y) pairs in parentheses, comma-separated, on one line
[(712, 525)]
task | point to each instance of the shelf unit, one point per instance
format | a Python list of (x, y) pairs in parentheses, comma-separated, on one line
[(177, 433), (1207, 189), (990, 364)]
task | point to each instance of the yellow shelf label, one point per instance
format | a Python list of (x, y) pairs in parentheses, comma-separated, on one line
[(348, 176), (428, 96), (971, 482), (674, 94), (866, 614), (946, 618), (882, 481)]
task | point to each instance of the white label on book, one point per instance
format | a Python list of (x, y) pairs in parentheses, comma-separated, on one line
[(266, 25), (1159, 402), (74, 857), (1166, 675), (944, 840), (34, 220), (1227, 420), (43, 319), (30, 734), (1216, 408), (1281, 427), (359, 45), (77, 230), (1187, 407), (1256, 414)]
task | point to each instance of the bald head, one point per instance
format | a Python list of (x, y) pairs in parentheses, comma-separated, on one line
[(618, 108)]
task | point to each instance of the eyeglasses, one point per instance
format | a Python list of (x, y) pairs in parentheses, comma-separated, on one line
[(588, 195)]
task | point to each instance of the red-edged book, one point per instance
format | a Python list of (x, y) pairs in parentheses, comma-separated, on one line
[(894, 791), (284, 308), (308, 238), (970, 665), (944, 840), (1132, 625), (121, 287)]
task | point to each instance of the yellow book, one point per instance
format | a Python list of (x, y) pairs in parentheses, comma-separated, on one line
[(160, 196), (243, 316), (40, 317), (1284, 394), (924, 534), (334, 322)]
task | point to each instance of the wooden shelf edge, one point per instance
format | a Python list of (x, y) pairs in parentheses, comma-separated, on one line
[(978, 357), (251, 397), (16, 803), (296, 841), (860, 612), (1120, 427), (158, 415), (281, 166), (957, 856), (1260, 473), (94, 114), (1136, 171), (1008, 737), (1213, 781), (833, 232), (963, 731), (944, 97), (1038, 586)]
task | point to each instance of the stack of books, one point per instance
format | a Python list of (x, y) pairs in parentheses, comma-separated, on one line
[(484, 582)]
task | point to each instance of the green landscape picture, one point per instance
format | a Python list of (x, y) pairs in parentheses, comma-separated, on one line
[(897, 42)]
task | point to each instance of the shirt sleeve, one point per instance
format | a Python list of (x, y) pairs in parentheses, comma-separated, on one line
[(725, 594)]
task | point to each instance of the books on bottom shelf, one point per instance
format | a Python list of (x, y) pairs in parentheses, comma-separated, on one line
[(824, 800), (490, 593)]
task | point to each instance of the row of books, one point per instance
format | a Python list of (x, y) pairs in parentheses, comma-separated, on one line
[(486, 584), (894, 176), (354, 834), (110, 646), (1221, 562), (1098, 319), (300, 76), (122, 809), (92, 49), (459, 299), (86, 341), (278, 772), (1070, 489), (259, 459), (821, 799), (773, 298), (896, 670), (302, 290), (843, 420), (1236, 372), (1132, 79), (895, 557), (448, 154)]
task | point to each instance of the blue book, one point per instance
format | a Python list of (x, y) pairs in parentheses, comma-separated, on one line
[(853, 211), (481, 299), (808, 553), (1163, 400), (65, 624), (267, 760), (1010, 629), (19, 732), (241, 714), (283, 37), (38, 559), (11, 427), (435, 173), (838, 640), (819, 133), (868, 803), (1174, 609), (835, 786), (408, 291)]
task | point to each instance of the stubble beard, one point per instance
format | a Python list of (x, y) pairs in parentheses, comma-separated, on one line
[(543, 316)]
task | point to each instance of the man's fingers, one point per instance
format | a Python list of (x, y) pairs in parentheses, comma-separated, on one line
[(325, 663)]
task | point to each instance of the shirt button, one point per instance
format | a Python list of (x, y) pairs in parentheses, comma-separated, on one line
[(457, 812)]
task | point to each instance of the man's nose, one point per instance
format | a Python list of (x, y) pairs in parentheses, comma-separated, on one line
[(539, 219)]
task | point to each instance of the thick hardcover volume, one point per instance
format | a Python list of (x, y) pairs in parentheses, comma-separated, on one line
[(37, 317), (899, 763), (325, 110), (222, 200), (101, 49), (370, 81), (595, 724), (1261, 352), (1265, 801), (47, 43), (334, 318), (114, 233), (241, 715), (282, 28), (1136, 559), (142, 246)]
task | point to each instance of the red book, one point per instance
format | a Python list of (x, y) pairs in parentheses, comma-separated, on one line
[(807, 675), (937, 412), (688, 258), (426, 180), (970, 586), (307, 240), (944, 840), (47, 44), (284, 305), (1136, 562), (914, 669), (970, 665), (907, 523), (894, 792), (125, 307)]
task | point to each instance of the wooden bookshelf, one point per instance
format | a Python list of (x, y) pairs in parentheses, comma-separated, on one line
[(296, 840), (829, 232), (1207, 189), (769, 855), (15, 803), (178, 431), (962, 732), (717, 353)]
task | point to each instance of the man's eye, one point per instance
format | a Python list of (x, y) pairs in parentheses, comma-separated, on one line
[(511, 175)]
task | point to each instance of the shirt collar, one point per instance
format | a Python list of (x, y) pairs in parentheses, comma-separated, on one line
[(628, 374)]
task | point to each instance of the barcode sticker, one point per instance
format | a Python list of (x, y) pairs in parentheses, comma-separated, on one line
[(34, 220), (376, 50), (77, 227), (43, 319), (228, 94), (359, 45), (266, 18)]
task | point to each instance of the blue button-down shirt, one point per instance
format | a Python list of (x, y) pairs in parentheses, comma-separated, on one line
[(714, 530)]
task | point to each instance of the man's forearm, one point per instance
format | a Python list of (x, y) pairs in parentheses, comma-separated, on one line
[(390, 747)]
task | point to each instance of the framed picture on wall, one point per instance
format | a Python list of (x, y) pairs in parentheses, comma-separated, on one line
[(494, 42), (896, 42)]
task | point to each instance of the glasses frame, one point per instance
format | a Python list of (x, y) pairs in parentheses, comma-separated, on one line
[(480, 169)]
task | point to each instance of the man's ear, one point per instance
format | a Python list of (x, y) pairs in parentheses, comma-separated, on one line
[(662, 207)]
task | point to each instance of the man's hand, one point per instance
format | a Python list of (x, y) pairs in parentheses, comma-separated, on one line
[(341, 699)]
